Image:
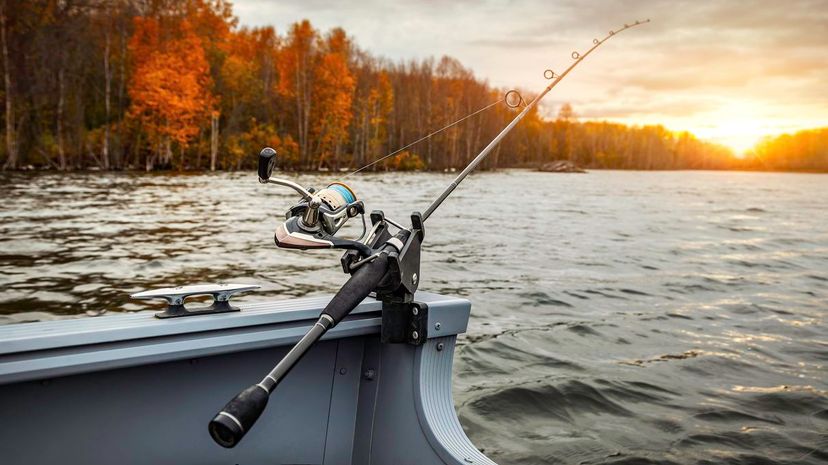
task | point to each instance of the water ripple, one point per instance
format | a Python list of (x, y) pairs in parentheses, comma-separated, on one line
[(618, 317)]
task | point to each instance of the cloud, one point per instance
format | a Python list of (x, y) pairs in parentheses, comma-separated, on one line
[(694, 56)]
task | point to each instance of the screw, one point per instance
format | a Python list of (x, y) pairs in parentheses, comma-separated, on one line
[(415, 335), (440, 346), (369, 374), (415, 311), (414, 278), (437, 326), (342, 371)]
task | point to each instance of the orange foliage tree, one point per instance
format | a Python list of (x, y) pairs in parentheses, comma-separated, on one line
[(380, 105), (170, 90), (296, 74), (333, 91)]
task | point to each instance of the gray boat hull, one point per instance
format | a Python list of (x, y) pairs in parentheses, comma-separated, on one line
[(131, 389)]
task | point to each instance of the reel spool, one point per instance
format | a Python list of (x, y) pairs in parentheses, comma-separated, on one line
[(328, 208), (337, 195)]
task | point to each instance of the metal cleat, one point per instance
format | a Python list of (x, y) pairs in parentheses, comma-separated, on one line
[(175, 297)]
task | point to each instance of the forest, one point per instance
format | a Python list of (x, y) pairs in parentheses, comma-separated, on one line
[(180, 85)]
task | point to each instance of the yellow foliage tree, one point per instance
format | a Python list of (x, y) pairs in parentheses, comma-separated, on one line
[(334, 92)]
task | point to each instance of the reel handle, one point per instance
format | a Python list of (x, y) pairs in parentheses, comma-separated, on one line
[(267, 161)]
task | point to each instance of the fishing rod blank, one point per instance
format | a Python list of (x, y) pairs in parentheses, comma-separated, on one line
[(549, 74)]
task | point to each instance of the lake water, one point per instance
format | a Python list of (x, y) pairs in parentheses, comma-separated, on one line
[(618, 317)]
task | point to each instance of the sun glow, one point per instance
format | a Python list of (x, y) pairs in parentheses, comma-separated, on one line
[(737, 125), (739, 134)]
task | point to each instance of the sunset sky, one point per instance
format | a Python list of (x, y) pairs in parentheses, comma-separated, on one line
[(729, 71)]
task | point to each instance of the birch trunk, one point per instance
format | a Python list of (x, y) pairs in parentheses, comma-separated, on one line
[(59, 128), (107, 102), (121, 91), (11, 145), (214, 135)]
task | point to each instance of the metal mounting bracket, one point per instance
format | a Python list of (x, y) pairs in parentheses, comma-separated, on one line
[(404, 322), (175, 297)]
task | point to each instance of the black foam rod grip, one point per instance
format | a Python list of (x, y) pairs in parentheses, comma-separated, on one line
[(356, 289), (230, 425)]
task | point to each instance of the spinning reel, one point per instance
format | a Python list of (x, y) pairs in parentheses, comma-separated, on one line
[(320, 214), (315, 220)]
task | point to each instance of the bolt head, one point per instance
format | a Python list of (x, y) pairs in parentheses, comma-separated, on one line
[(440, 346), (415, 311), (437, 326), (415, 335), (414, 278)]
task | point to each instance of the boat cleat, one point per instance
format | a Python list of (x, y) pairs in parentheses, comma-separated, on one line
[(175, 297)]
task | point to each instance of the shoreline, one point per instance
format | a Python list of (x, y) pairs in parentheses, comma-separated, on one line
[(515, 168)]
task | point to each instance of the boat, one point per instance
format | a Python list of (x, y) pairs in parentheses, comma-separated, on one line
[(364, 376), (136, 389)]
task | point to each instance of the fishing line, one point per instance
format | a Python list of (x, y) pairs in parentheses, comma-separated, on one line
[(427, 136), (520, 102)]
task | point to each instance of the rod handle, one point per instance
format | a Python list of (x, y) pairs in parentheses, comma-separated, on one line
[(364, 280), (230, 425)]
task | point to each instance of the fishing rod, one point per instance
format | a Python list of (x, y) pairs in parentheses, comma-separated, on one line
[(378, 261), (549, 74)]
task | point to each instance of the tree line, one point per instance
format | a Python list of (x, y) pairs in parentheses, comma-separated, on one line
[(802, 151), (179, 84)]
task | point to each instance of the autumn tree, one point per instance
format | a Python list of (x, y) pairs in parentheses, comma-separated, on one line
[(296, 65), (380, 105), (170, 87), (804, 150), (333, 94)]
